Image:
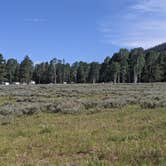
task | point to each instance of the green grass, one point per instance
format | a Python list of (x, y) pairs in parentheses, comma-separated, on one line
[(127, 136)]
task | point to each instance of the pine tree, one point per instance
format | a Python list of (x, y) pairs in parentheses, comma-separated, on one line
[(94, 72), (115, 70), (137, 62), (11, 67), (2, 69), (26, 70)]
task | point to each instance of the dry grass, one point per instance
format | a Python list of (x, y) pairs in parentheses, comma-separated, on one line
[(128, 136), (117, 125)]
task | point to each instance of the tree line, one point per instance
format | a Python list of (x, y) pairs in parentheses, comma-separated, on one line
[(124, 66)]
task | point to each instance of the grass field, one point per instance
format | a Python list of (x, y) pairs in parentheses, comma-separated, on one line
[(112, 133)]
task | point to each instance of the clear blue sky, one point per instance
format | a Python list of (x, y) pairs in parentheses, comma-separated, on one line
[(87, 30)]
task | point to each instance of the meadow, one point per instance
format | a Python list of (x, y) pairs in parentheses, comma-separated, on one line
[(83, 124)]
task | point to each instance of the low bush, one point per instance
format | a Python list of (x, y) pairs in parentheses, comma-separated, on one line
[(90, 104), (70, 106), (76, 98), (7, 109), (113, 103)]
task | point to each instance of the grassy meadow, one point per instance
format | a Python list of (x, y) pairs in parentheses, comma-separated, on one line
[(83, 125)]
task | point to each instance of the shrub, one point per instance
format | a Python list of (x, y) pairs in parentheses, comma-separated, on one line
[(50, 107), (29, 109), (70, 106), (114, 103), (90, 104), (7, 109), (19, 100), (148, 104)]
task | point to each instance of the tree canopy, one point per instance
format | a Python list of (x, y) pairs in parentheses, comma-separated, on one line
[(125, 66)]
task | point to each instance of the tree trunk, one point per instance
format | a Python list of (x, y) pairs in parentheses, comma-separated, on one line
[(55, 76), (94, 80), (150, 74), (135, 77), (115, 78), (123, 78), (118, 78)]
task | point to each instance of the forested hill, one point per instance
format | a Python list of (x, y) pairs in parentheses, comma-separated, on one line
[(124, 66), (158, 48)]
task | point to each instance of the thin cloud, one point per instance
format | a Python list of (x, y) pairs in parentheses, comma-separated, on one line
[(142, 25), (35, 20), (150, 6)]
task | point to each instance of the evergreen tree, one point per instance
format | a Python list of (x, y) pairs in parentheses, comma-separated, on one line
[(11, 69), (115, 70), (137, 62), (73, 72), (104, 74), (2, 69), (82, 72), (26, 70), (162, 63), (53, 70), (150, 67), (124, 66), (17, 73), (94, 72), (66, 73)]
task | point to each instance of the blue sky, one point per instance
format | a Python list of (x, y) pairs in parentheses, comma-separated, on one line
[(87, 30)]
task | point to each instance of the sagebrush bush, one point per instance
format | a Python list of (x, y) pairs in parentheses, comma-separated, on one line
[(91, 103), (70, 106), (153, 101), (7, 109), (75, 98), (114, 103)]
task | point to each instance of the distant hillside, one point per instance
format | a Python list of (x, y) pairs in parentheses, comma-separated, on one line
[(158, 48)]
